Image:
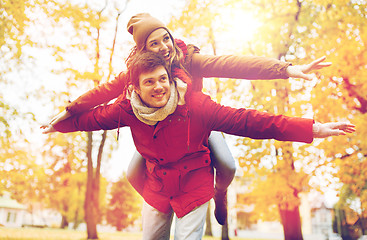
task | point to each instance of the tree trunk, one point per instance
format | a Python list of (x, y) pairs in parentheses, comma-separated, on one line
[(291, 221), (208, 229), (344, 229), (362, 224), (91, 214), (76, 217), (64, 222), (76, 221), (225, 231), (91, 207)]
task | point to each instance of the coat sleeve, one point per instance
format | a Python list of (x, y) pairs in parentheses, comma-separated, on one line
[(240, 67), (252, 123), (100, 118), (101, 94)]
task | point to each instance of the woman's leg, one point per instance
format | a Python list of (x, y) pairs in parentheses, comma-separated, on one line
[(222, 159), (225, 167), (156, 225), (136, 172), (191, 226)]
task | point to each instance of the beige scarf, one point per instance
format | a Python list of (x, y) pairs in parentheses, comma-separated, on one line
[(151, 115)]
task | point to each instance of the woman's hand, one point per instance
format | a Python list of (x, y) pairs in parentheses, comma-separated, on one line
[(323, 130), (300, 71)]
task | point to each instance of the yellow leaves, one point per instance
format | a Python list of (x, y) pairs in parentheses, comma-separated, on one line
[(13, 23), (83, 17), (13, 16), (269, 192), (278, 185), (353, 174)]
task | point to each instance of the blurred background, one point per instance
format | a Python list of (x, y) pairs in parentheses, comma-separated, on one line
[(51, 52)]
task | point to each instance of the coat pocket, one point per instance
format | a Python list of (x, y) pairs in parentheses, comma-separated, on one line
[(170, 179), (202, 177), (154, 182)]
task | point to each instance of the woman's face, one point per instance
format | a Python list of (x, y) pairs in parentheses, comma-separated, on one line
[(159, 41)]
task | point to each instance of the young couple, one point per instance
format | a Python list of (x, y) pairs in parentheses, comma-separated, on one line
[(172, 120)]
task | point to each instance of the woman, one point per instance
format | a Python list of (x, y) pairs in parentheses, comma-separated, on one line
[(152, 35)]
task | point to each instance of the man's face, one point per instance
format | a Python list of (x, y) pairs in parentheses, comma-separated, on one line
[(154, 87)]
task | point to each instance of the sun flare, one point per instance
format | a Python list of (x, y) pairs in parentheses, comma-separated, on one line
[(239, 26)]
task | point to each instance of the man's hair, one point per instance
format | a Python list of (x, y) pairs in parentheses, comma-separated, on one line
[(145, 62)]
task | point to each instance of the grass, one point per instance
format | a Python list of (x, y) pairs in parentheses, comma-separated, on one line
[(61, 234)]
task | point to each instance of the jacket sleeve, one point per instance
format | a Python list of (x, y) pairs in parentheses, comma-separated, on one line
[(101, 94), (252, 123), (100, 118), (240, 67)]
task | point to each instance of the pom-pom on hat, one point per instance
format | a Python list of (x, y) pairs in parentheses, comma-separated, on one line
[(141, 26)]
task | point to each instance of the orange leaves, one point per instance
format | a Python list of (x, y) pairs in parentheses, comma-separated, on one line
[(124, 206)]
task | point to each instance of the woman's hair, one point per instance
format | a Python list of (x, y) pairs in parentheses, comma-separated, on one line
[(144, 62)]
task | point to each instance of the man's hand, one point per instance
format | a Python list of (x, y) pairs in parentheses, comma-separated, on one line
[(49, 128), (59, 117), (300, 71), (323, 130)]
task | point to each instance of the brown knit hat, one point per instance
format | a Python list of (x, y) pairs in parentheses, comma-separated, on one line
[(141, 26)]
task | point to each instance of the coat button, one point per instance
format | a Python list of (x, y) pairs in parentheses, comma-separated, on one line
[(154, 136), (161, 159), (185, 167), (164, 173), (206, 161)]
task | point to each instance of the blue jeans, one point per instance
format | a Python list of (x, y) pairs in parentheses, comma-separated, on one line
[(157, 225)]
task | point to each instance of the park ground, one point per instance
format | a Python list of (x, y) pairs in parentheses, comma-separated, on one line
[(60, 234)]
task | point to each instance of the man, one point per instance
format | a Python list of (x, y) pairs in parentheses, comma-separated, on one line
[(150, 34), (170, 125)]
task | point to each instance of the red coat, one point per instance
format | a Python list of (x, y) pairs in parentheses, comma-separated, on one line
[(176, 151)]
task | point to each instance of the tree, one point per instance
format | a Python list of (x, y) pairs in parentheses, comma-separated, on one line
[(13, 22), (341, 95), (334, 28), (268, 161), (124, 206), (63, 153), (277, 178), (290, 33), (348, 211), (83, 25), (88, 22), (21, 172)]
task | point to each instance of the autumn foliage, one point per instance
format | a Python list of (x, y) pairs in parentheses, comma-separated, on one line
[(53, 170)]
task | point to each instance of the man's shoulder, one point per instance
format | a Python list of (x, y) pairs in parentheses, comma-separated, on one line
[(198, 95), (121, 104), (199, 100)]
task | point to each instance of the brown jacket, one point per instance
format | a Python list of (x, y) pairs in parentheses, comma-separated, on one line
[(199, 66)]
